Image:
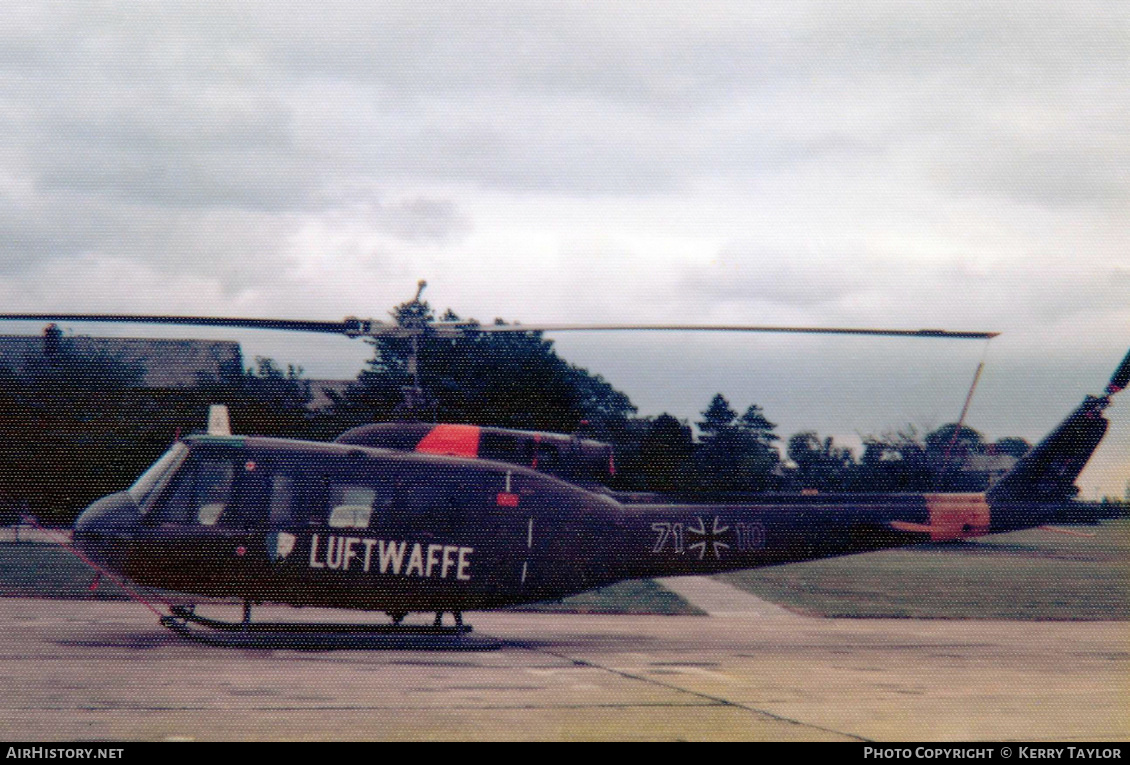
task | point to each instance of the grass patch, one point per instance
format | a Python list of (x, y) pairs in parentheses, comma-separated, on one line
[(1029, 575), (641, 596), (40, 570)]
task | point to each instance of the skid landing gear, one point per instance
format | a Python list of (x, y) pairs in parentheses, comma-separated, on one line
[(458, 620), (185, 622)]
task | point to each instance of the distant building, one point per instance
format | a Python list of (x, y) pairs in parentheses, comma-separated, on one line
[(160, 363), (977, 471), (992, 466)]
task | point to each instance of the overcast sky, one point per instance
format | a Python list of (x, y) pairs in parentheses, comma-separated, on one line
[(957, 165)]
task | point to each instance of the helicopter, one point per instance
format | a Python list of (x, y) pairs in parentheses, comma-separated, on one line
[(407, 517)]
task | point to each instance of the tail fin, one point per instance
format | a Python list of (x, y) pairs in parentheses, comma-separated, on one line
[(1048, 472)]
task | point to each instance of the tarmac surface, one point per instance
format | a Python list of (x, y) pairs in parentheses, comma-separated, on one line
[(96, 670)]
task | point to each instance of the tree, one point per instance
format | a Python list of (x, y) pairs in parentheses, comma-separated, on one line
[(895, 461), (820, 464), (735, 454), (268, 383), (758, 428), (717, 419), (948, 448), (664, 460), (507, 379), (756, 441)]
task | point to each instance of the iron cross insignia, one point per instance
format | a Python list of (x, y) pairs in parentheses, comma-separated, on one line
[(710, 538)]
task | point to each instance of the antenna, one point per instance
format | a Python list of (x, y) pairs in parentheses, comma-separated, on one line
[(218, 422)]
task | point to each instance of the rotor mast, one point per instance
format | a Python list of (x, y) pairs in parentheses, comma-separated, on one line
[(415, 397)]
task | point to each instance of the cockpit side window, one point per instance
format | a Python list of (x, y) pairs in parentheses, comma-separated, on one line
[(201, 493), (213, 490), (150, 482)]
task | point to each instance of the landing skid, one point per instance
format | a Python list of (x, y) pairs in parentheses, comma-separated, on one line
[(185, 622)]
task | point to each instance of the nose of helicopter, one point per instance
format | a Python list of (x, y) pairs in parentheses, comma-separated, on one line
[(104, 530)]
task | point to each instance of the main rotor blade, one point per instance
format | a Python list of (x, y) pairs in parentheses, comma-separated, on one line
[(732, 328), (353, 327)]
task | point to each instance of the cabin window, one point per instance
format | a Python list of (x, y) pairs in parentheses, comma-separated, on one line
[(438, 503), (359, 499), (351, 505), (283, 507)]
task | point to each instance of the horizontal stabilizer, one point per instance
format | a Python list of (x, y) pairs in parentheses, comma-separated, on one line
[(939, 533), (1067, 532), (918, 528)]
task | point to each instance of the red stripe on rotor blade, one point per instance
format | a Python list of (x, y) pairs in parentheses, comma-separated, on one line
[(451, 441)]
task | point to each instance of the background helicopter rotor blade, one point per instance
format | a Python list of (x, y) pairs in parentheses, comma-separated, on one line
[(735, 328), (354, 327)]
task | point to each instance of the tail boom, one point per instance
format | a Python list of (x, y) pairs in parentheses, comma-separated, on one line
[(671, 536)]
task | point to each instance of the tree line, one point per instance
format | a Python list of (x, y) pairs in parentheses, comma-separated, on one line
[(80, 426)]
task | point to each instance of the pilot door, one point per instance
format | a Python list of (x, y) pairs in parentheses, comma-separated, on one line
[(205, 532)]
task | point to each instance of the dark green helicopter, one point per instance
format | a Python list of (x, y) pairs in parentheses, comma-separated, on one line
[(416, 517)]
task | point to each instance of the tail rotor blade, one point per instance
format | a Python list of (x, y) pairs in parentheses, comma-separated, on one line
[(1121, 377)]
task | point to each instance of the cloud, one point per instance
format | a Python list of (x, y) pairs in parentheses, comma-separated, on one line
[(856, 288), (421, 219), (265, 106), (1052, 177)]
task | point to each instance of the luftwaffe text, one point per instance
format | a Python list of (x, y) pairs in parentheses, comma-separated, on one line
[(395, 558)]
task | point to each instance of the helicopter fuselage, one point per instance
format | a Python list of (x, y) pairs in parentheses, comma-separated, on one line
[(316, 524)]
